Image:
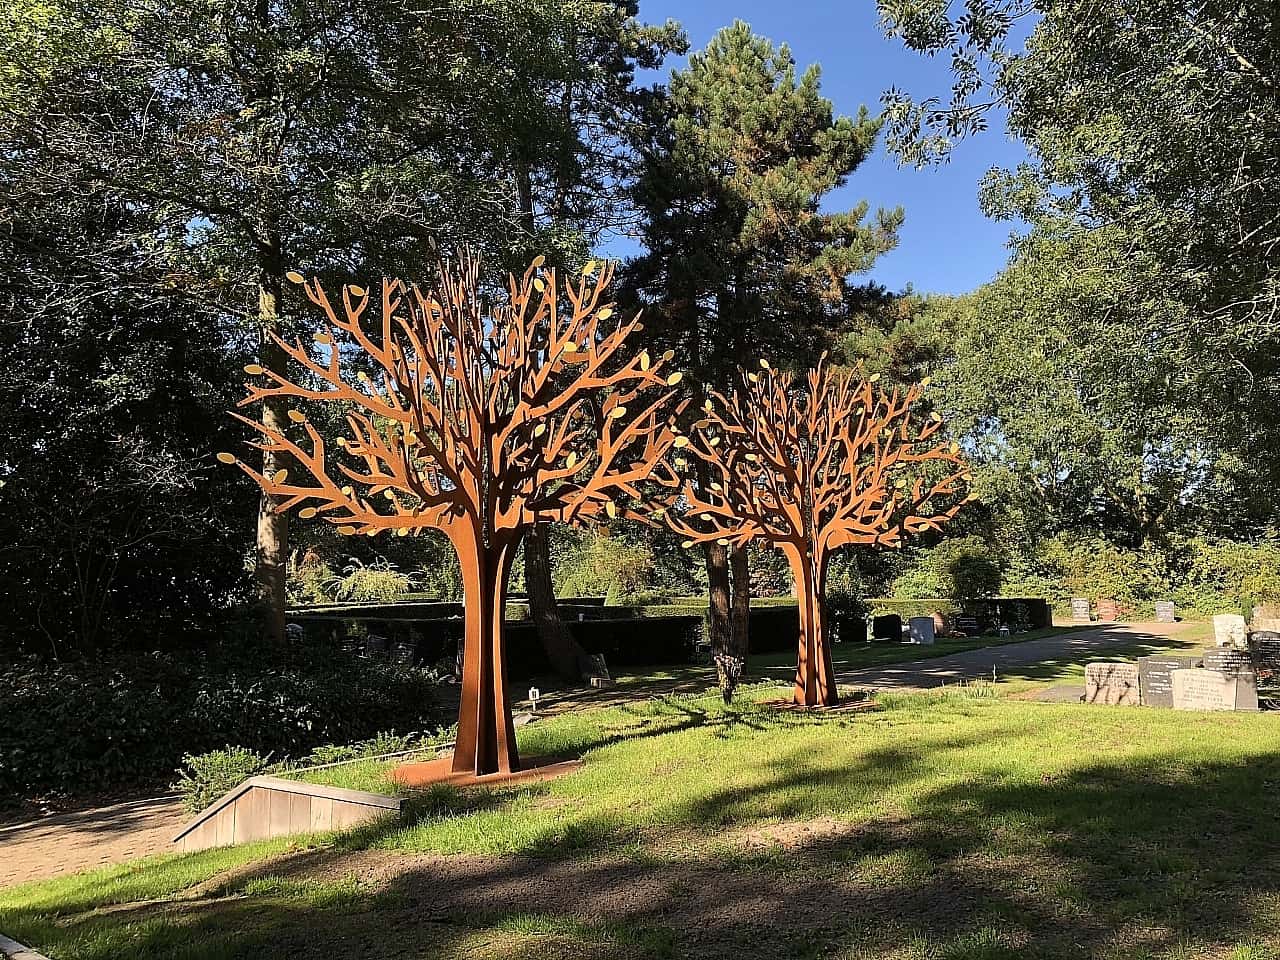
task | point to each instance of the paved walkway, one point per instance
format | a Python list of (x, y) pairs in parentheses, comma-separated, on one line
[(1042, 659), (70, 842)]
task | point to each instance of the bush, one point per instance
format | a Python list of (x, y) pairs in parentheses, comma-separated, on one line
[(604, 564), (207, 776), (85, 726), (962, 568)]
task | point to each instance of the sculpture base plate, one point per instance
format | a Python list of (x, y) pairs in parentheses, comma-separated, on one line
[(430, 772)]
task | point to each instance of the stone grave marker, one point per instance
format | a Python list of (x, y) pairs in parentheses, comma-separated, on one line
[(1166, 612), (1228, 660), (1080, 610), (1266, 656), (921, 630), (1111, 683), (1155, 678), (1266, 625), (600, 676), (1202, 689), (1228, 630), (1108, 609), (887, 627)]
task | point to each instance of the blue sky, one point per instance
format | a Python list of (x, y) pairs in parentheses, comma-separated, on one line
[(946, 245)]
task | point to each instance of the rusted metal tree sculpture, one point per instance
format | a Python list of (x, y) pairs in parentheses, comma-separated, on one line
[(811, 466), (477, 421)]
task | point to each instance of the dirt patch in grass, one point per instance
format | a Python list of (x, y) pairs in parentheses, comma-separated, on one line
[(792, 834)]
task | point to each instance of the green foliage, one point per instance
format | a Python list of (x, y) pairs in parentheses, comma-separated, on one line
[(604, 564), (205, 777), (742, 259), (93, 725), (961, 568)]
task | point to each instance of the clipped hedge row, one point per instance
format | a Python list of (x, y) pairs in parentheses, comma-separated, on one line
[(85, 726)]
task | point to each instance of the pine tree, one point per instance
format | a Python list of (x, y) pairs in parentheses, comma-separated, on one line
[(741, 260)]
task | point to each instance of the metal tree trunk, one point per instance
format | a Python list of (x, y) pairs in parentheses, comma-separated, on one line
[(486, 736), (815, 675)]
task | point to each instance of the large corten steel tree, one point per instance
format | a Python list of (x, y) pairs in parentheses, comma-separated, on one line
[(479, 420), (810, 466)]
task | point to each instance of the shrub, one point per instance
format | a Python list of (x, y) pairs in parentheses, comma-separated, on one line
[(962, 568), (207, 776), (91, 725), (606, 565)]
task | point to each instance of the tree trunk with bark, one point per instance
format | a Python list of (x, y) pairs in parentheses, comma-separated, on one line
[(272, 543), (568, 659), (718, 591), (740, 569)]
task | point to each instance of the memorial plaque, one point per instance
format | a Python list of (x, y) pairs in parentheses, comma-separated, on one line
[(920, 630), (887, 628), (1228, 630), (1155, 678), (1166, 612), (1266, 656), (1111, 683), (1228, 660), (1080, 610), (1201, 689), (1108, 609)]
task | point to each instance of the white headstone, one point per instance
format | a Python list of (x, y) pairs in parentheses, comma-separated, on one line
[(1229, 630), (920, 630)]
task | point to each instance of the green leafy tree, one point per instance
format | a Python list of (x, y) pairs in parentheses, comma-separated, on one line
[(741, 261), (1157, 118), (1082, 409)]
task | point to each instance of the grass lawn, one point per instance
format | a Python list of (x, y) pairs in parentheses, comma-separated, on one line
[(947, 825)]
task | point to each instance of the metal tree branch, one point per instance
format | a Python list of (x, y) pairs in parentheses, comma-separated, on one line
[(480, 413), (809, 466)]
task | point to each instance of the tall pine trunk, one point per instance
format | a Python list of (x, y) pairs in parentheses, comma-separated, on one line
[(740, 569), (568, 659), (486, 740), (272, 544), (718, 591)]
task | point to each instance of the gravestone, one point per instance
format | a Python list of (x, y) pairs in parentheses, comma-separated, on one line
[(1166, 612), (1108, 609), (1228, 660), (600, 676), (887, 628), (1201, 689), (1111, 683), (1155, 678), (1266, 656), (1266, 625), (967, 624), (920, 630), (1080, 610), (1228, 630)]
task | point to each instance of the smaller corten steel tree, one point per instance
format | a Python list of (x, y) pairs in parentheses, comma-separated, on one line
[(478, 420), (810, 466)]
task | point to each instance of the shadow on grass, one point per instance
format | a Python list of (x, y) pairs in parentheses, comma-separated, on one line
[(1148, 857)]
